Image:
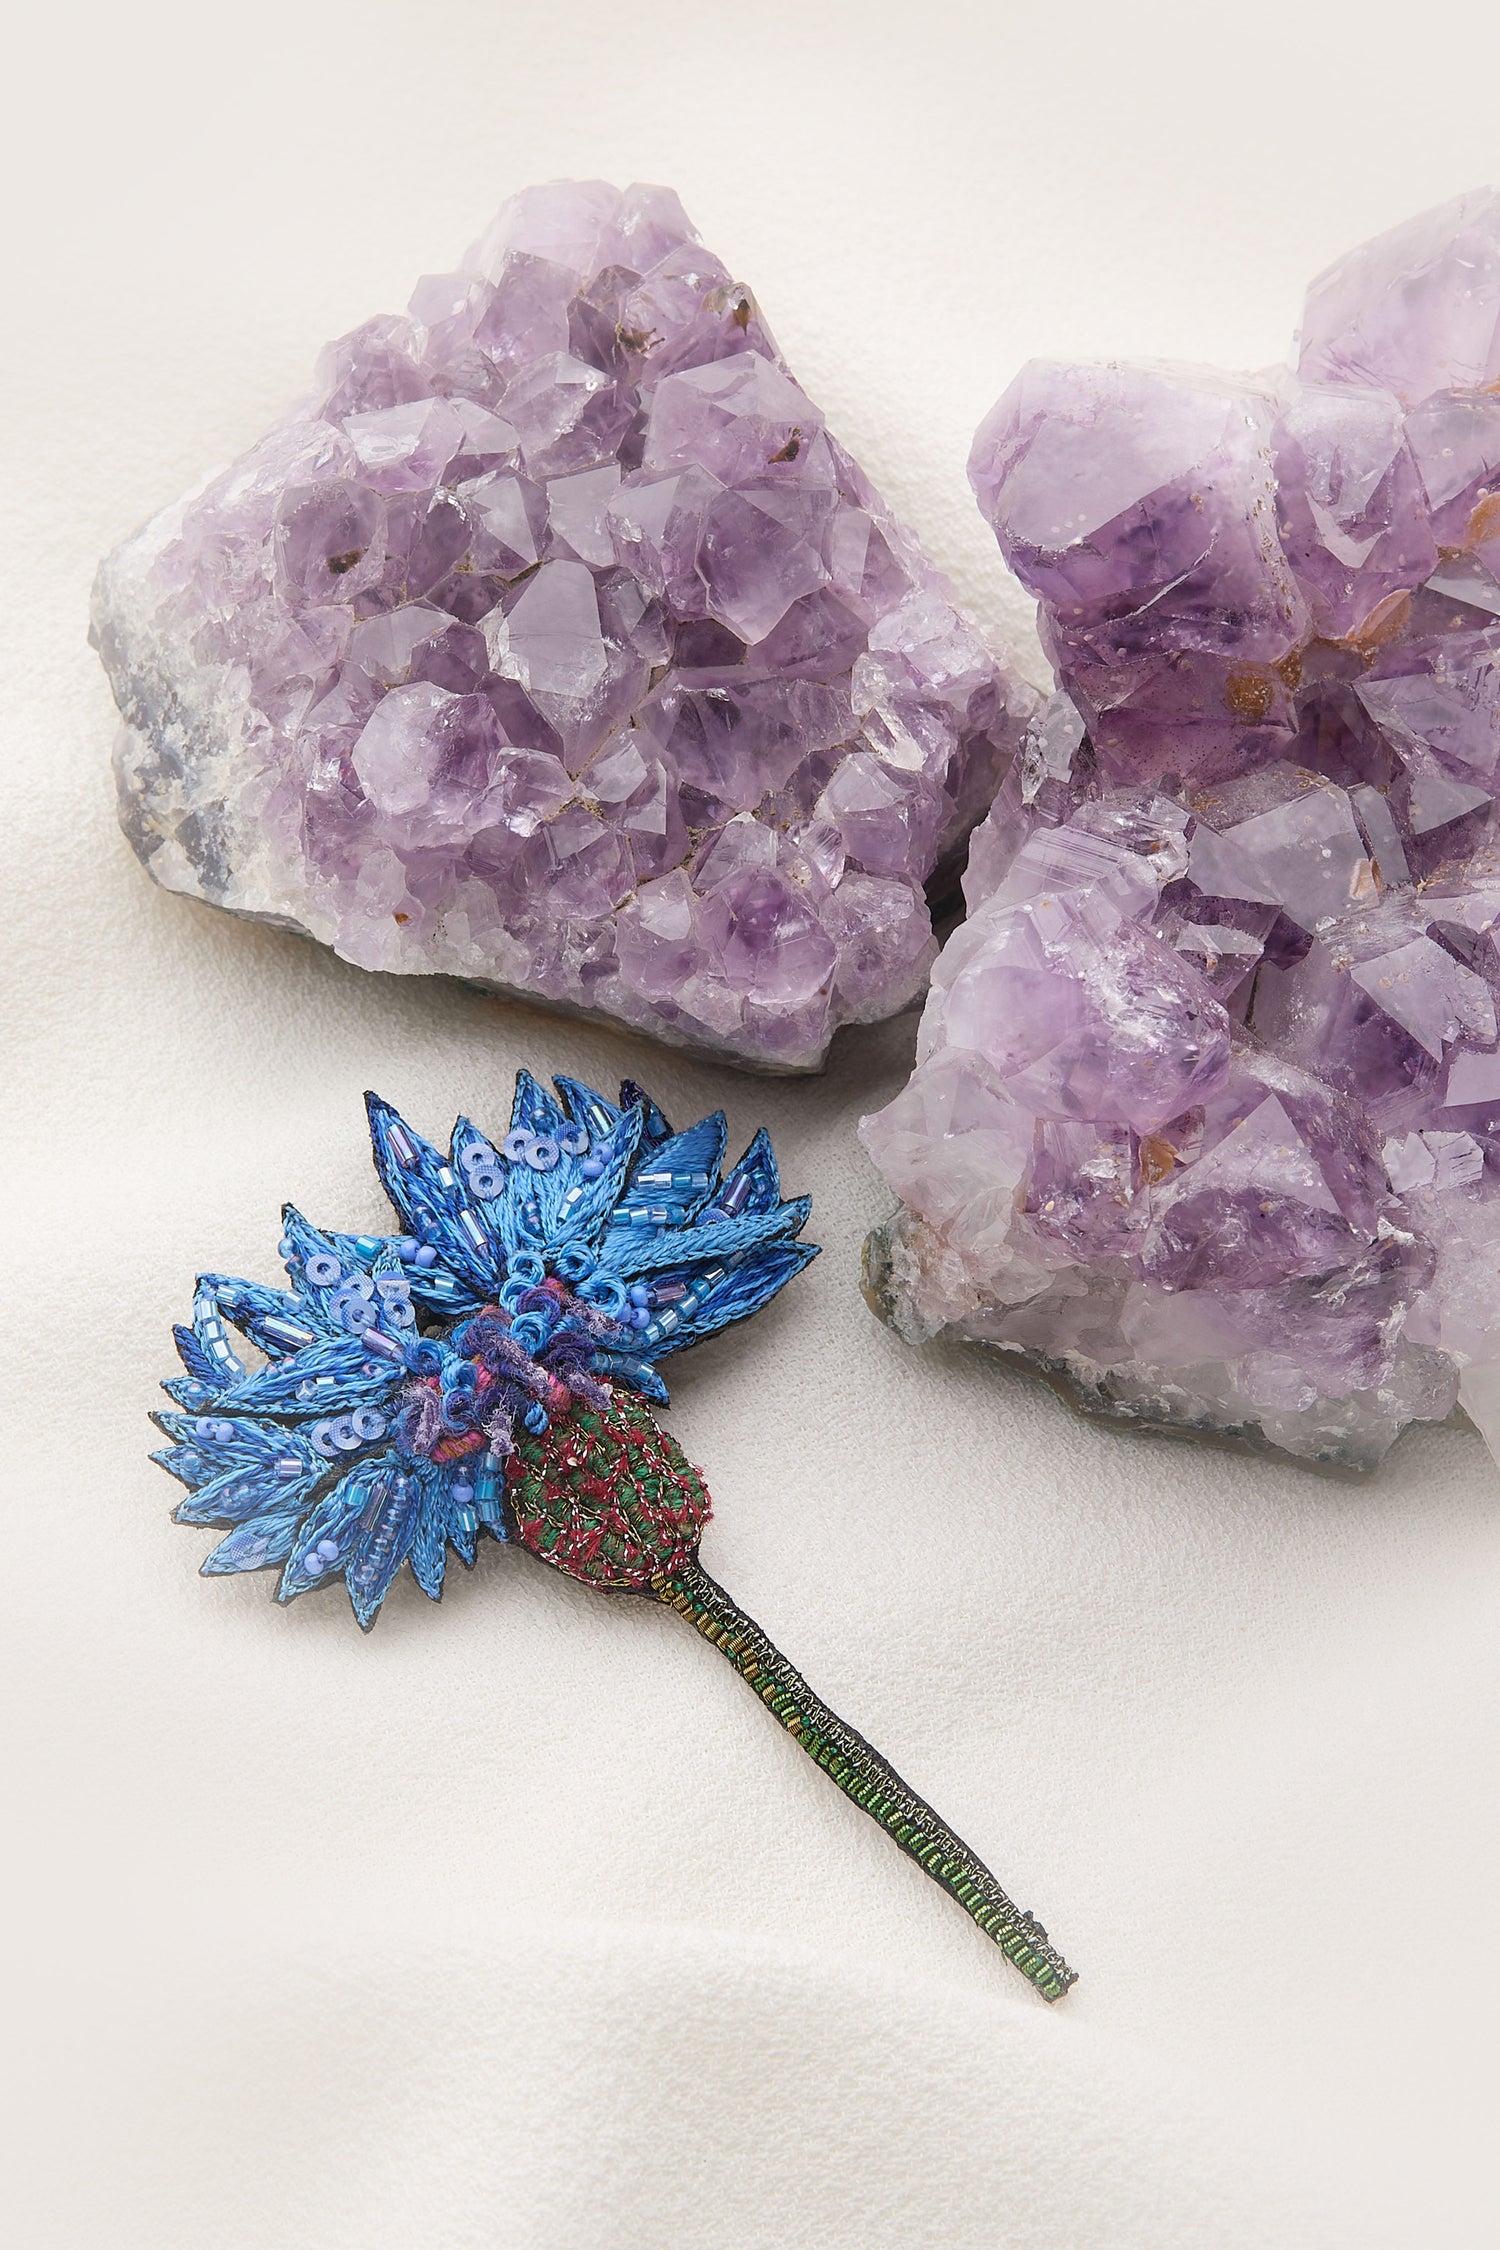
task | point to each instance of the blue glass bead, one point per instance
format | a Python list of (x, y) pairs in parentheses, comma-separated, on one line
[(592, 1167), (329, 1548), (573, 1143), (426, 1256), (655, 1215), (736, 1195), (386, 1346), (639, 1293)]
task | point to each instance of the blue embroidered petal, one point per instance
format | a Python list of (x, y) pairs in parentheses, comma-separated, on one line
[(212, 1339), (546, 1148), (680, 1174), (328, 1378), (275, 1323), (348, 1285), (195, 1359), (402, 1158), (745, 1290), (463, 1535), (187, 1391), (437, 1524), (585, 1206), (534, 1110), (334, 1530), (589, 1109), (753, 1186), (389, 1524), (638, 1254), (429, 1199), (261, 1544), (656, 1127), (433, 1286), (237, 1469), (222, 1441), (485, 1177), (243, 1493)]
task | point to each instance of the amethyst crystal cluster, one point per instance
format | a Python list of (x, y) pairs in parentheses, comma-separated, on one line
[(1206, 1114), (553, 642)]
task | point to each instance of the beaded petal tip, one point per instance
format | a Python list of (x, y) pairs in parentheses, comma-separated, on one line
[(486, 1370)]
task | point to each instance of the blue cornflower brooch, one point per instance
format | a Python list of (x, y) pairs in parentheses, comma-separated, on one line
[(491, 1369)]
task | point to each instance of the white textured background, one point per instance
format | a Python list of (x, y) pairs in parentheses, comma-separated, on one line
[(518, 1926)]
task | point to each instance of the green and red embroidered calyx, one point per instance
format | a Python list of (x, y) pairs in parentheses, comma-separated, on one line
[(606, 1496)]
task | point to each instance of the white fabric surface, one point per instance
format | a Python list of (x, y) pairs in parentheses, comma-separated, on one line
[(518, 1924)]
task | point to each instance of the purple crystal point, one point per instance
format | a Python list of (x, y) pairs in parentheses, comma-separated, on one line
[(1206, 1113), (1137, 503), (553, 642), (1417, 310)]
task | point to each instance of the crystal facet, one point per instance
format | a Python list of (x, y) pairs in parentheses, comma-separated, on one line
[(1206, 1114), (553, 642)]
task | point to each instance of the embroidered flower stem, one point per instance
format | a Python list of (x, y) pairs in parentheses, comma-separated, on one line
[(863, 1774)]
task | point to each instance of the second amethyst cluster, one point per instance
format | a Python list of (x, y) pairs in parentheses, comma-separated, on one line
[(1206, 1115)]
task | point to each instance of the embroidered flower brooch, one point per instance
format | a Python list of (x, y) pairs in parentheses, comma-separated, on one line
[(488, 1370)]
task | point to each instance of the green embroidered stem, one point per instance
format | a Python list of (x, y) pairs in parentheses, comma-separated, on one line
[(863, 1774)]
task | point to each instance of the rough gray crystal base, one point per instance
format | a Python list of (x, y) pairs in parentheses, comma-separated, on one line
[(1348, 1436)]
